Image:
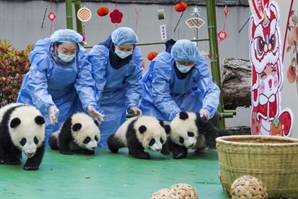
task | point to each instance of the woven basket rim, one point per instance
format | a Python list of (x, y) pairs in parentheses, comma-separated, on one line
[(236, 140)]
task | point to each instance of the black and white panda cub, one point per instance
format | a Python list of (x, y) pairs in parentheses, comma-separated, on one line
[(79, 131), (189, 131), (22, 129), (139, 133)]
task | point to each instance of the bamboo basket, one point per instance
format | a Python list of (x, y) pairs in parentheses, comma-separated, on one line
[(272, 159)]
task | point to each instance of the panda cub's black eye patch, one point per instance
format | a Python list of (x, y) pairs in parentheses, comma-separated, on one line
[(181, 140), (152, 141), (87, 140), (96, 138), (23, 141), (161, 140), (35, 140), (190, 134)]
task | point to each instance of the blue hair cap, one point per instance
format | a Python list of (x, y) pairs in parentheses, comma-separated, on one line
[(184, 50), (124, 35), (66, 36)]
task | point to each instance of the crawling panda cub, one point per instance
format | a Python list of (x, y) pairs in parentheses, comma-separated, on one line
[(22, 129), (189, 131), (139, 133), (78, 132)]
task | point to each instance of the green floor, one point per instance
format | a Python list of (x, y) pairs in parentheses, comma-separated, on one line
[(110, 176)]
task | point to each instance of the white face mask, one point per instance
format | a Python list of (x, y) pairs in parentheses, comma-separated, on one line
[(122, 54), (66, 58), (183, 69)]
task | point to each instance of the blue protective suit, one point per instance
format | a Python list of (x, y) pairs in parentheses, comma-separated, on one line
[(118, 87), (165, 94), (69, 87)]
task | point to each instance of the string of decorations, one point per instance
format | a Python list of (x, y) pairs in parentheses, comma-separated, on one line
[(52, 16), (222, 34), (137, 12)]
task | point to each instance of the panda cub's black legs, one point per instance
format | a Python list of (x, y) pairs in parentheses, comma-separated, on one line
[(114, 144), (139, 153), (34, 162), (165, 149), (65, 138), (177, 150), (8, 154), (88, 152), (135, 148)]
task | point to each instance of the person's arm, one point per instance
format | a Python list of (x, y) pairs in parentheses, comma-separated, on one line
[(133, 83), (161, 92), (85, 84), (98, 57), (37, 82), (209, 89)]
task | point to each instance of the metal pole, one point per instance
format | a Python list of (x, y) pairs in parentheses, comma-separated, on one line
[(68, 6), (78, 22), (214, 58)]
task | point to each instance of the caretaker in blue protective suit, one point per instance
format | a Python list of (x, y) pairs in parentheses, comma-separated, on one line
[(178, 79), (117, 71), (59, 81)]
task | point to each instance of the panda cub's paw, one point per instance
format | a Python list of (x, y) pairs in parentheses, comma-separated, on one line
[(165, 151), (143, 155), (12, 161), (30, 167), (88, 152), (179, 155), (66, 152)]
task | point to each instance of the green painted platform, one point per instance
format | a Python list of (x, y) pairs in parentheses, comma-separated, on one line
[(110, 176)]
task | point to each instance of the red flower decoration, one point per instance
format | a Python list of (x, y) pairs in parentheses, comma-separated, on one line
[(116, 16)]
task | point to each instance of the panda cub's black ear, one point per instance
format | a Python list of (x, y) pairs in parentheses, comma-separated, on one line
[(76, 126), (15, 122), (167, 129), (183, 115), (96, 122), (142, 129), (161, 123), (39, 120)]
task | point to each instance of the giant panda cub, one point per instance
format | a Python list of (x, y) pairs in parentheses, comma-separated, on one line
[(139, 133), (189, 131), (22, 129), (78, 132)]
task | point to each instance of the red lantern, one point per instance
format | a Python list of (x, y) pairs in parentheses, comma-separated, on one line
[(103, 11), (181, 6), (151, 55)]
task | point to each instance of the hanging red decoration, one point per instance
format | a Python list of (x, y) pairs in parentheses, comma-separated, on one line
[(226, 10), (222, 35), (103, 11), (181, 6), (116, 16), (52, 16), (152, 55)]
